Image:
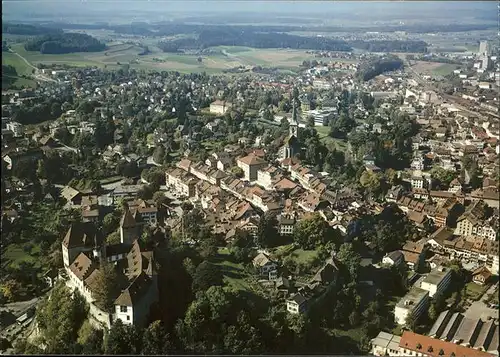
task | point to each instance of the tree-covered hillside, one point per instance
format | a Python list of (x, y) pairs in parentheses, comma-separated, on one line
[(374, 67), (65, 43), (29, 30)]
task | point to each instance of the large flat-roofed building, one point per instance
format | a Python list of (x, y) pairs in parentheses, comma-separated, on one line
[(385, 344), (436, 281), (472, 333), (413, 303)]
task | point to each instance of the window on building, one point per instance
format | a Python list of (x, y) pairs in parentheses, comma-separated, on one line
[(123, 309), (128, 318)]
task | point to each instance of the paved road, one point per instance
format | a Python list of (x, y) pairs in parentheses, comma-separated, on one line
[(38, 75), (479, 309), (18, 308)]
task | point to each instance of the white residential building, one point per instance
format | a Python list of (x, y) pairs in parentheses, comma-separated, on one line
[(436, 281), (417, 182), (414, 303)]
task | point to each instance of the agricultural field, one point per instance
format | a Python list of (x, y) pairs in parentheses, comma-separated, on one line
[(119, 53), (22, 69), (434, 68)]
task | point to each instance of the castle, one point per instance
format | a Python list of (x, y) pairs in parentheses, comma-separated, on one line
[(85, 251)]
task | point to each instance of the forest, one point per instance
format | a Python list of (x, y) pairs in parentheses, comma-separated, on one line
[(9, 75), (30, 30), (64, 43), (173, 28), (230, 37), (390, 46), (374, 67)]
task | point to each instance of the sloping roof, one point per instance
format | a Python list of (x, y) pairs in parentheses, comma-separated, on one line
[(298, 298), (127, 220), (395, 255), (485, 335), (251, 160), (69, 193), (261, 260), (483, 271), (139, 260), (135, 291), (411, 257), (82, 266), (92, 278), (410, 340), (82, 234), (327, 273)]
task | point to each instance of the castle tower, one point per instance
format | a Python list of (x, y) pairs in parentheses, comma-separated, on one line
[(128, 227)]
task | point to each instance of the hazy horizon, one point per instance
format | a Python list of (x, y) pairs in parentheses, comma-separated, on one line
[(145, 10)]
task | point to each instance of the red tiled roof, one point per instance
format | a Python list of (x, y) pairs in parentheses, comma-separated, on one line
[(252, 160), (432, 347)]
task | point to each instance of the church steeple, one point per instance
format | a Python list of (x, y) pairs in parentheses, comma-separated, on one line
[(294, 122)]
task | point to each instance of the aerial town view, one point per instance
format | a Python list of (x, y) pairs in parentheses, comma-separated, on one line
[(250, 177)]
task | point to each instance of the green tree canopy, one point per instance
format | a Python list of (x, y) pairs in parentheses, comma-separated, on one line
[(156, 340), (122, 340), (313, 231), (267, 230), (60, 318), (107, 287), (206, 275)]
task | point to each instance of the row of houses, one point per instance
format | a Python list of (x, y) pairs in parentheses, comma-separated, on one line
[(465, 248)]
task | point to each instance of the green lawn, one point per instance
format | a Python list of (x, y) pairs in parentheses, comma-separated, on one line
[(445, 69), (323, 133), (475, 291), (21, 67), (234, 273), (15, 61), (15, 254), (303, 256)]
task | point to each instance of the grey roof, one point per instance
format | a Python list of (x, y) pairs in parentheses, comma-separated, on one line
[(468, 331), (452, 327), (395, 255), (415, 295), (485, 335), (298, 298), (387, 341), (440, 324), (435, 277), (493, 347), (287, 221)]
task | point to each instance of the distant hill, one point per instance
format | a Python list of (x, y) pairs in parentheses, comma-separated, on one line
[(29, 30), (65, 43)]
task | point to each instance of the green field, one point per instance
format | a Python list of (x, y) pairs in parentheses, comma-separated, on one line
[(234, 273), (119, 53), (330, 142), (475, 291), (444, 69), (21, 67), (15, 254), (303, 256)]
